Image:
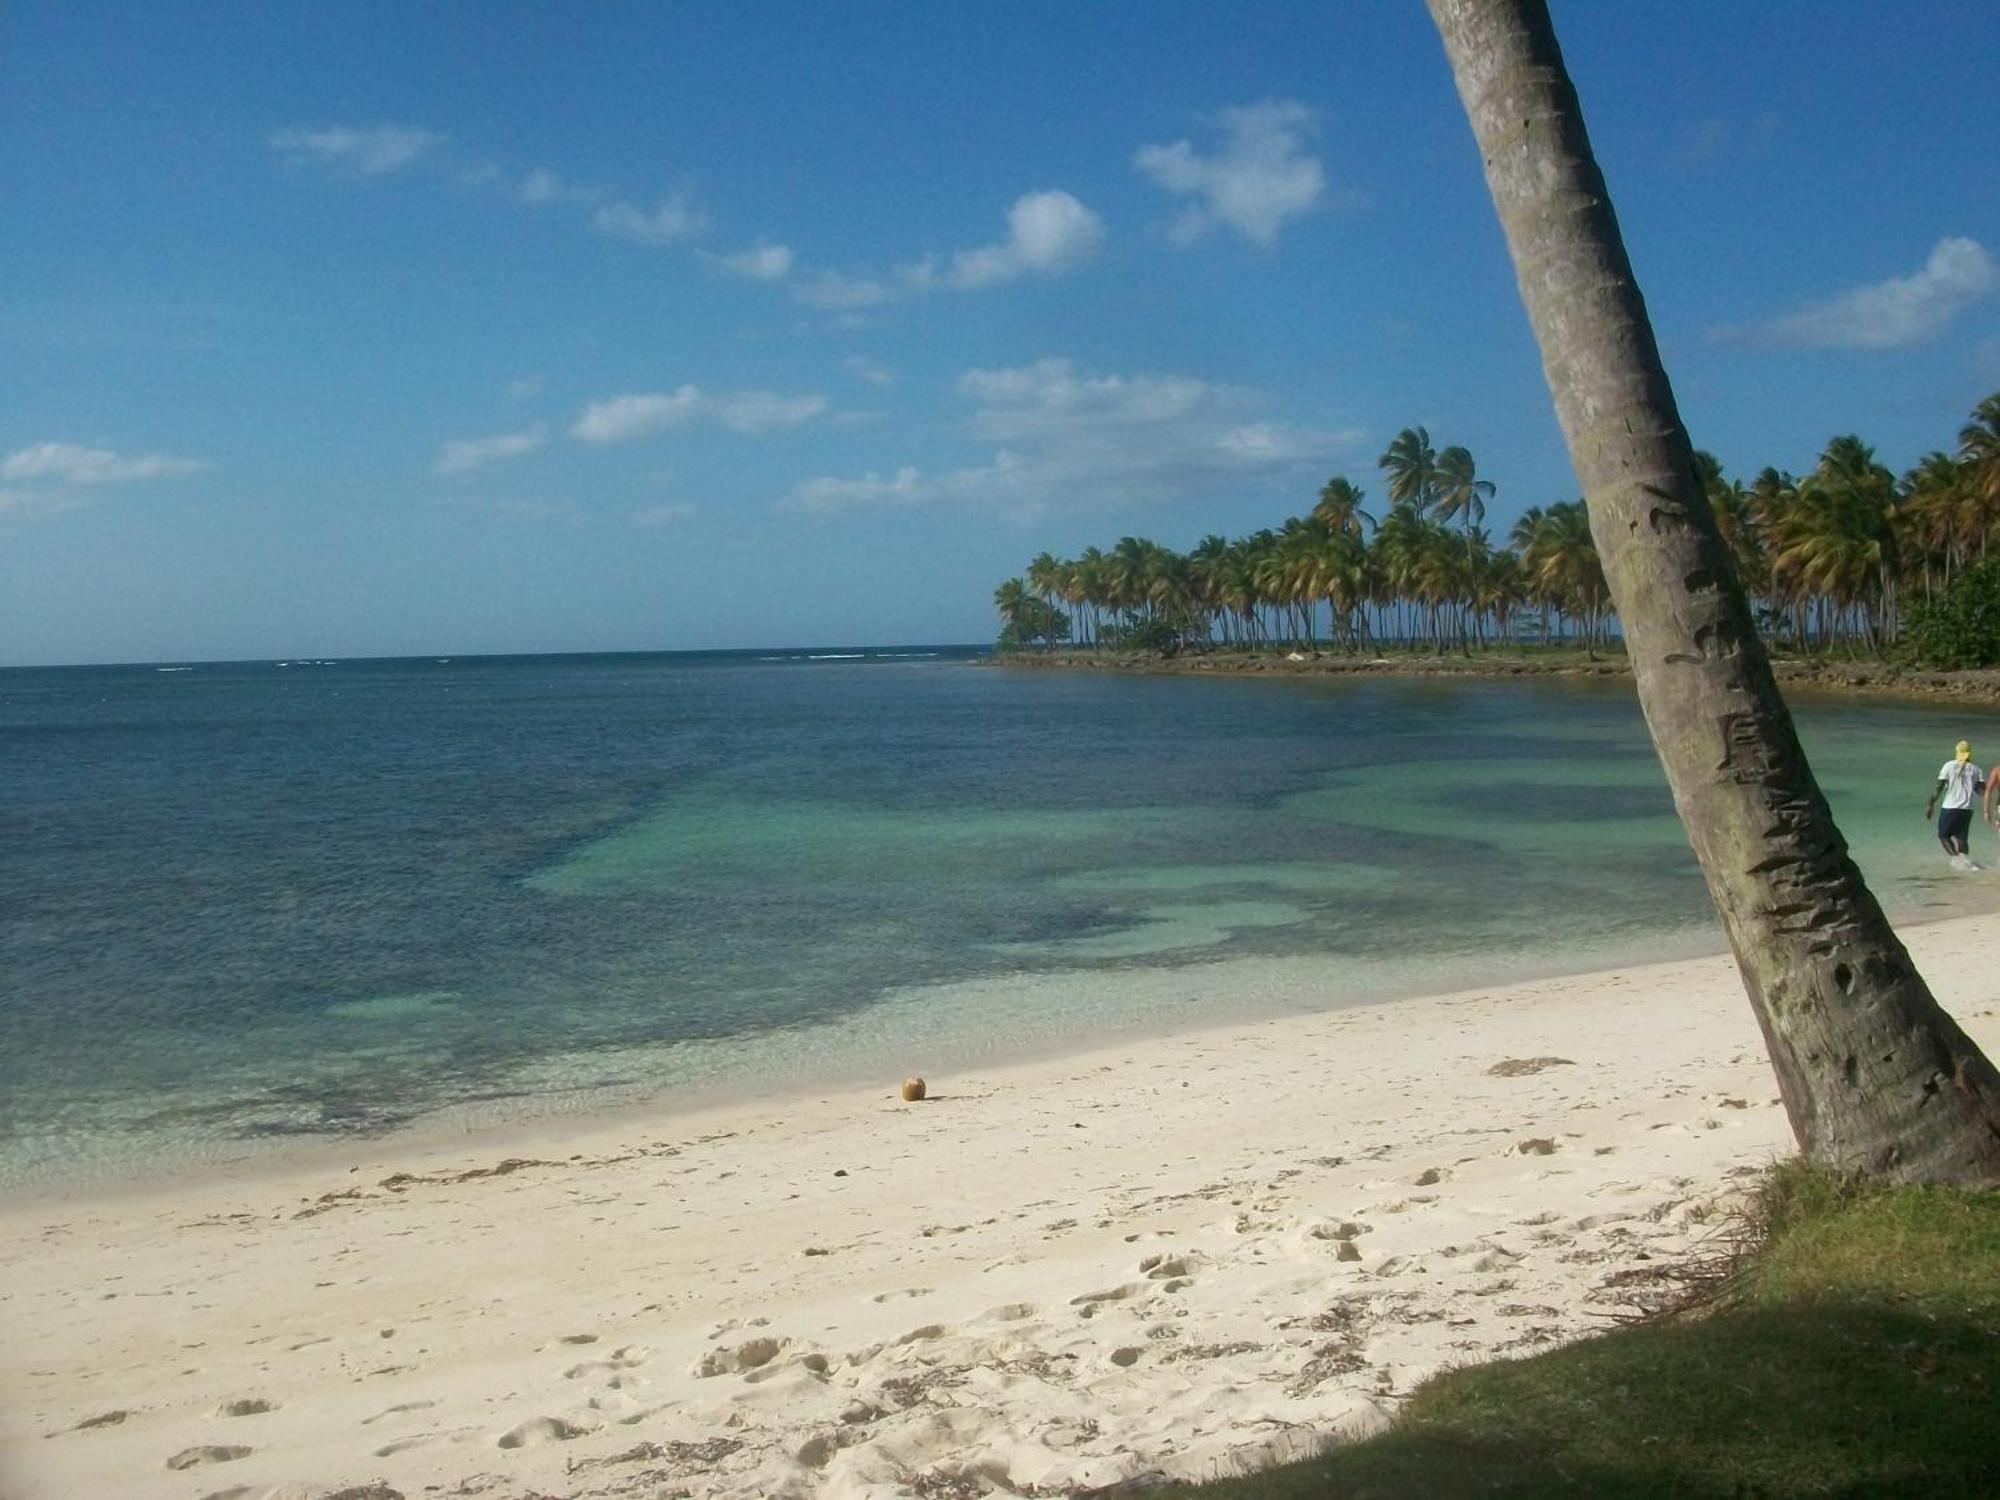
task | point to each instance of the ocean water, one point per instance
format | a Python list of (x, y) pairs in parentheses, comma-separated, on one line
[(251, 904)]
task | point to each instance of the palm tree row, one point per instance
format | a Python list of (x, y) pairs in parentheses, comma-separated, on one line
[(1427, 573), (1830, 557)]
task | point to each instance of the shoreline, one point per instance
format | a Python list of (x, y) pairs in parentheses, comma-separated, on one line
[(827, 1059), (1864, 679), (1167, 1255)]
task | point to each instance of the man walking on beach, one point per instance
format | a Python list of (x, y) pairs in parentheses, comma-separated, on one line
[(1959, 781)]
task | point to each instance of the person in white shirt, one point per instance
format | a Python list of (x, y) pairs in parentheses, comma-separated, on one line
[(1959, 781)]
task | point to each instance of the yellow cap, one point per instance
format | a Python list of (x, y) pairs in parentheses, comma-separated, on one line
[(1965, 749)]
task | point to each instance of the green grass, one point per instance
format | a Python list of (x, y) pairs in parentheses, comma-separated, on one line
[(1855, 1352)]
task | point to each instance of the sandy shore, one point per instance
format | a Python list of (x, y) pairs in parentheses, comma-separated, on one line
[(1169, 1257)]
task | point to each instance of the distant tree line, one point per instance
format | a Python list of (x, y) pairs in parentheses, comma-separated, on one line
[(1845, 557)]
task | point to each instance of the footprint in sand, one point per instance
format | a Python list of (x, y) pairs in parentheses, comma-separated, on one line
[(753, 1354), (249, 1406), (539, 1430), (208, 1453), (397, 1410), (908, 1291)]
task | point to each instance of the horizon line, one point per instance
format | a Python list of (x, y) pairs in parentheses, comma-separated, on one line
[(306, 658)]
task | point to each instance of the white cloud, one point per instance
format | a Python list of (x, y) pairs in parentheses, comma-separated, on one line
[(1062, 437), (464, 455), (1258, 177), (761, 262), (622, 419), (868, 370), (69, 476), (663, 515), (1047, 233), (73, 464), (672, 219), (368, 151), (1888, 314), (904, 487)]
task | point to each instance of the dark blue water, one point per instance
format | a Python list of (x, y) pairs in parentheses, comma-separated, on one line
[(253, 902)]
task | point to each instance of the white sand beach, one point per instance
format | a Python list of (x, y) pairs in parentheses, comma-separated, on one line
[(1169, 1257)]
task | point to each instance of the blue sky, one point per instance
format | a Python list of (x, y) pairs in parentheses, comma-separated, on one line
[(355, 329)]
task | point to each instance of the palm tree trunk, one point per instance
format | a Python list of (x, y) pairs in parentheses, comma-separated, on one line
[(1875, 1076)]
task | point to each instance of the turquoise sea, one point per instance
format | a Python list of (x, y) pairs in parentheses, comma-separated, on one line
[(248, 904)]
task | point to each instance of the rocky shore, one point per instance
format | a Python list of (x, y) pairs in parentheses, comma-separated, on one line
[(1813, 675)]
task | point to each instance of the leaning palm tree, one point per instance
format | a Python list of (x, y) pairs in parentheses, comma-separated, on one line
[(1875, 1076)]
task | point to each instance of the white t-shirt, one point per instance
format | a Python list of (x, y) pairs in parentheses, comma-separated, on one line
[(1961, 779)]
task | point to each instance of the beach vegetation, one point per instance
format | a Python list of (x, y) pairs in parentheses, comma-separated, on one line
[(1836, 1338), (1960, 628), (1842, 561), (1027, 619)]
